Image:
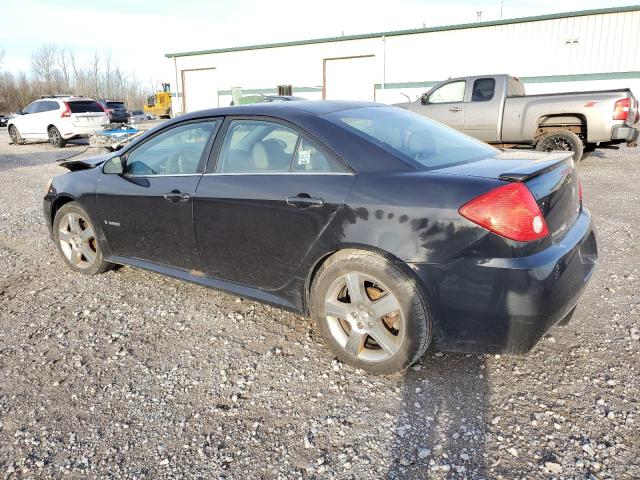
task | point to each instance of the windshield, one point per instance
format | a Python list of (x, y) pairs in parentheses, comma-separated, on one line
[(412, 136)]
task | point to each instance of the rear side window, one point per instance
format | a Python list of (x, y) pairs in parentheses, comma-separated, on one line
[(310, 159), (411, 136), (483, 89), (256, 146), (46, 106), (85, 106)]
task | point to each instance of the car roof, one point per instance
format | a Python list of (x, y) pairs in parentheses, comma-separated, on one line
[(284, 109)]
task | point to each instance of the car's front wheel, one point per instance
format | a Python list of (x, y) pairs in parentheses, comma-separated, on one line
[(76, 239), (15, 136), (55, 138), (370, 312)]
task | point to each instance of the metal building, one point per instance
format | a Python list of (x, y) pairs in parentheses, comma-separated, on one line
[(585, 50)]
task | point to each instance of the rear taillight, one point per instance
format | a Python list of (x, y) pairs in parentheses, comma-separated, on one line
[(66, 113), (621, 109), (510, 211), (580, 190)]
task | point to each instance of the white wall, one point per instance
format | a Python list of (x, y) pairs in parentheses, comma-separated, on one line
[(593, 44)]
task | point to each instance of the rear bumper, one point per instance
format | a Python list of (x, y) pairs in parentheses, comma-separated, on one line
[(625, 133), (119, 118), (82, 131), (505, 305)]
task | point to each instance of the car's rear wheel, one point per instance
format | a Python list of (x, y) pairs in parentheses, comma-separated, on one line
[(563, 141), (55, 138), (76, 238), (15, 136), (370, 312)]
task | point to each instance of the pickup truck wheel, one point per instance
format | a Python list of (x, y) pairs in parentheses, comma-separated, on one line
[(562, 141)]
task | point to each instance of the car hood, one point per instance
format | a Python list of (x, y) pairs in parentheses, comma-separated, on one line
[(85, 163)]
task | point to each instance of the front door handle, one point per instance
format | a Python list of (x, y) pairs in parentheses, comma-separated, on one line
[(176, 196), (455, 109), (303, 200)]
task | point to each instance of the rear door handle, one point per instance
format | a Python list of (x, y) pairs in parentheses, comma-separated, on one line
[(176, 196), (303, 200), (455, 109)]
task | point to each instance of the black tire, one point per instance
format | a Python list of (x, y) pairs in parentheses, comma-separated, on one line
[(563, 141), (94, 263), (55, 138), (415, 335), (15, 136)]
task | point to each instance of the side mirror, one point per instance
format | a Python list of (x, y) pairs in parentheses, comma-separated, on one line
[(19, 111), (114, 166), (424, 99)]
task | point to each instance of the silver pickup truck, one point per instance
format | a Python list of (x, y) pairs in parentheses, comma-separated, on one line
[(495, 109)]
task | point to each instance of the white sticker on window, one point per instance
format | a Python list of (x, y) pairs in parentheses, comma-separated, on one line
[(304, 157)]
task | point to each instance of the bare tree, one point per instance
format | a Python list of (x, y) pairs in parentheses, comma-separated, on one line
[(43, 64), (58, 70)]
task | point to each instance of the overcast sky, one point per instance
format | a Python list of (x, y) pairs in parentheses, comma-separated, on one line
[(139, 32)]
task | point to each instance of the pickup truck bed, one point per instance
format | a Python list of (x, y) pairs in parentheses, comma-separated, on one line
[(495, 109)]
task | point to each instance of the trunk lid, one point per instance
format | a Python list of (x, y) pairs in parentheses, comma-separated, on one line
[(551, 178)]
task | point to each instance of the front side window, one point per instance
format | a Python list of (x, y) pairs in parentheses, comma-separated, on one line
[(411, 136), (32, 108), (174, 152), (256, 146), (483, 89), (448, 93)]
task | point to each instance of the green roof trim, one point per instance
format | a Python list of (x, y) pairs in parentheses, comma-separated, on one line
[(270, 91), (577, 77), (538, 18)]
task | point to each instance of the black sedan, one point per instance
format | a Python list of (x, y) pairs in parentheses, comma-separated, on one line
[(3, 120), (392, 231)]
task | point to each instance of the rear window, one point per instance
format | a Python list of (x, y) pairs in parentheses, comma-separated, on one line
[(411, 136), (116, 105), (85, 106)]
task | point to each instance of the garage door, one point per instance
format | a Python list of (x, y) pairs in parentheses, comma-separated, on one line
[(349, 78), (200, 89)]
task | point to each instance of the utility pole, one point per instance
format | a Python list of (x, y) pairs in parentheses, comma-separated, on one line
[(501, 8), (478, 15)]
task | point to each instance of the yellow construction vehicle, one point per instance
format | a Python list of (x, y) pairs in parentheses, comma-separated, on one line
[(159, 104)]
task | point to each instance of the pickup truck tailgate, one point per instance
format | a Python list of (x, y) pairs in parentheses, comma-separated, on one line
[(551, 178)]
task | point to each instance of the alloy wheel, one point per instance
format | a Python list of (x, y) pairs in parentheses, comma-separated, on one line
[(364, 317), (77, 240), (556, 143), (54, 137), (13, 134)]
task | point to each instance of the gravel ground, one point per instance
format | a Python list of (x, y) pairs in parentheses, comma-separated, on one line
[(133, 375)]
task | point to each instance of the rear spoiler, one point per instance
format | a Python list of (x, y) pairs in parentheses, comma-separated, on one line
[(536, 168)]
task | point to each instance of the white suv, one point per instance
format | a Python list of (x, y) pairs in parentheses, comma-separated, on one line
[(57, 119)]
